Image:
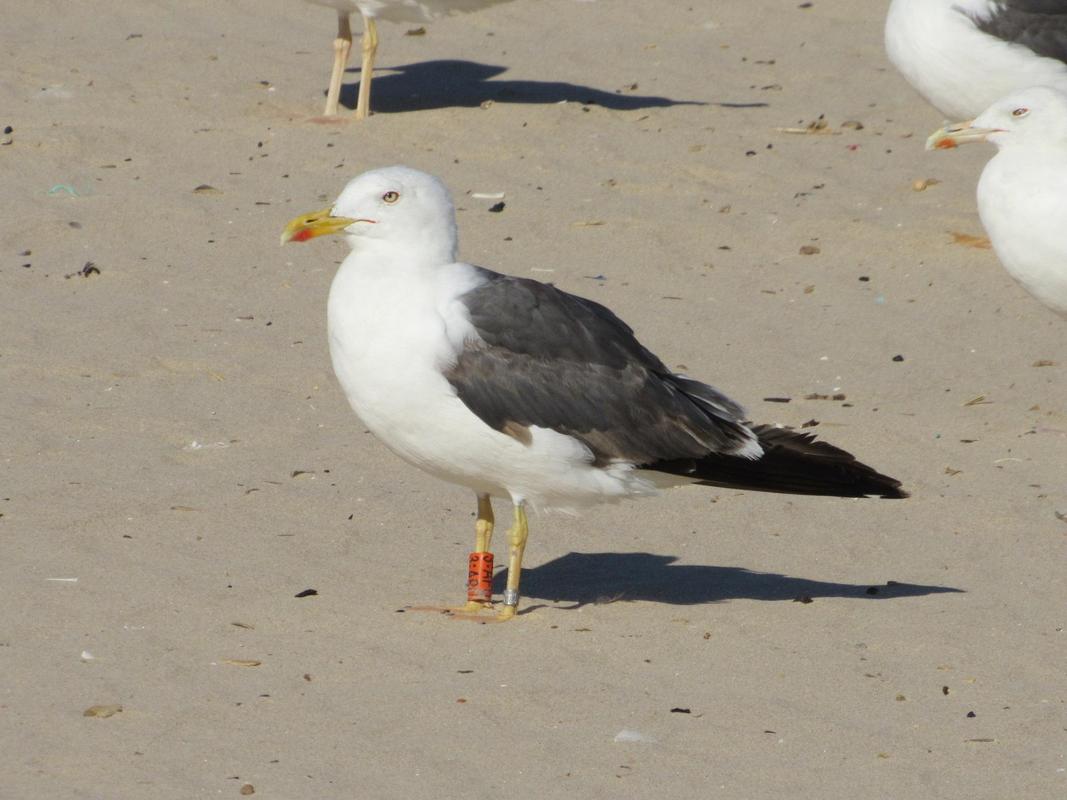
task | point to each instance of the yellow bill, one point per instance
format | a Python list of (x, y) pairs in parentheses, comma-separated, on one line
[(317, 223), (956, 134)]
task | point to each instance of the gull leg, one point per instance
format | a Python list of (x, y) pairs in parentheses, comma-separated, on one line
[(483, 535), (517, 536), (483, 528), (366, 71), (341, 47), (516, 547)]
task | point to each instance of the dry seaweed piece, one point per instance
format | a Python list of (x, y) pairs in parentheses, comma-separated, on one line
[(968, 240), (102, 712), (921, 184)]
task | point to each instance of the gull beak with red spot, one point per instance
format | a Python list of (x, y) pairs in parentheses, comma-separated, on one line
[(958, 133), (317, 223)]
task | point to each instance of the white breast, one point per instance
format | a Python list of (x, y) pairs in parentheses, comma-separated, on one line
[(1022, 200)]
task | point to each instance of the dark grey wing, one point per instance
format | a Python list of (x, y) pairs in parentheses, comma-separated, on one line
[(551, 359), (1040, 25)]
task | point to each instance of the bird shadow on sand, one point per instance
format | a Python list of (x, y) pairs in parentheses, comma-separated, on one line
[(585, 578), (448, 83)]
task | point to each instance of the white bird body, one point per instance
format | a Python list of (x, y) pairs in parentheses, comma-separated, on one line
[(958, 67), (1022, 200)]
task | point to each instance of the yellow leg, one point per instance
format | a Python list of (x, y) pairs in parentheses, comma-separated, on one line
[(366, 71), (341, 47), (517, 536), (483, 528), (483, 536)]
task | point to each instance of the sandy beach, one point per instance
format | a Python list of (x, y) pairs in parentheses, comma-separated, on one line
[(744, 183)]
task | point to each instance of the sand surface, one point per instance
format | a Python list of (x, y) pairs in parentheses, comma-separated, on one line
[(178, 463)]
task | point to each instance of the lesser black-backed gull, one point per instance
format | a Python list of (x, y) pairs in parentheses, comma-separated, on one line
[(518, 390)]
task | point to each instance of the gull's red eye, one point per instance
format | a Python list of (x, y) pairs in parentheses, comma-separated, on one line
[(391, 197), (1020, 112)]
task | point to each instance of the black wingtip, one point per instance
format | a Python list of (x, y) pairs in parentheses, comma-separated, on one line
[(792, 463), (893, 491)]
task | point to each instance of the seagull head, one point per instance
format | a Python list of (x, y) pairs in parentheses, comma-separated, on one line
[(397, 206), (1037, 115)]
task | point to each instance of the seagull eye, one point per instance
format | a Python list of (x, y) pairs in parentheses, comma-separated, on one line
[(391, 197), (1020, 112)]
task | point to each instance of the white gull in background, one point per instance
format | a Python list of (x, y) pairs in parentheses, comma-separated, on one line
[(962, 55), (1022, 194), (372, 10), (518, 390)]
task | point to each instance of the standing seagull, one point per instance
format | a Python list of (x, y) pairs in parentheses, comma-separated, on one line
[(371, 10), (963, 55), (518, 390), (1022, 194)]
